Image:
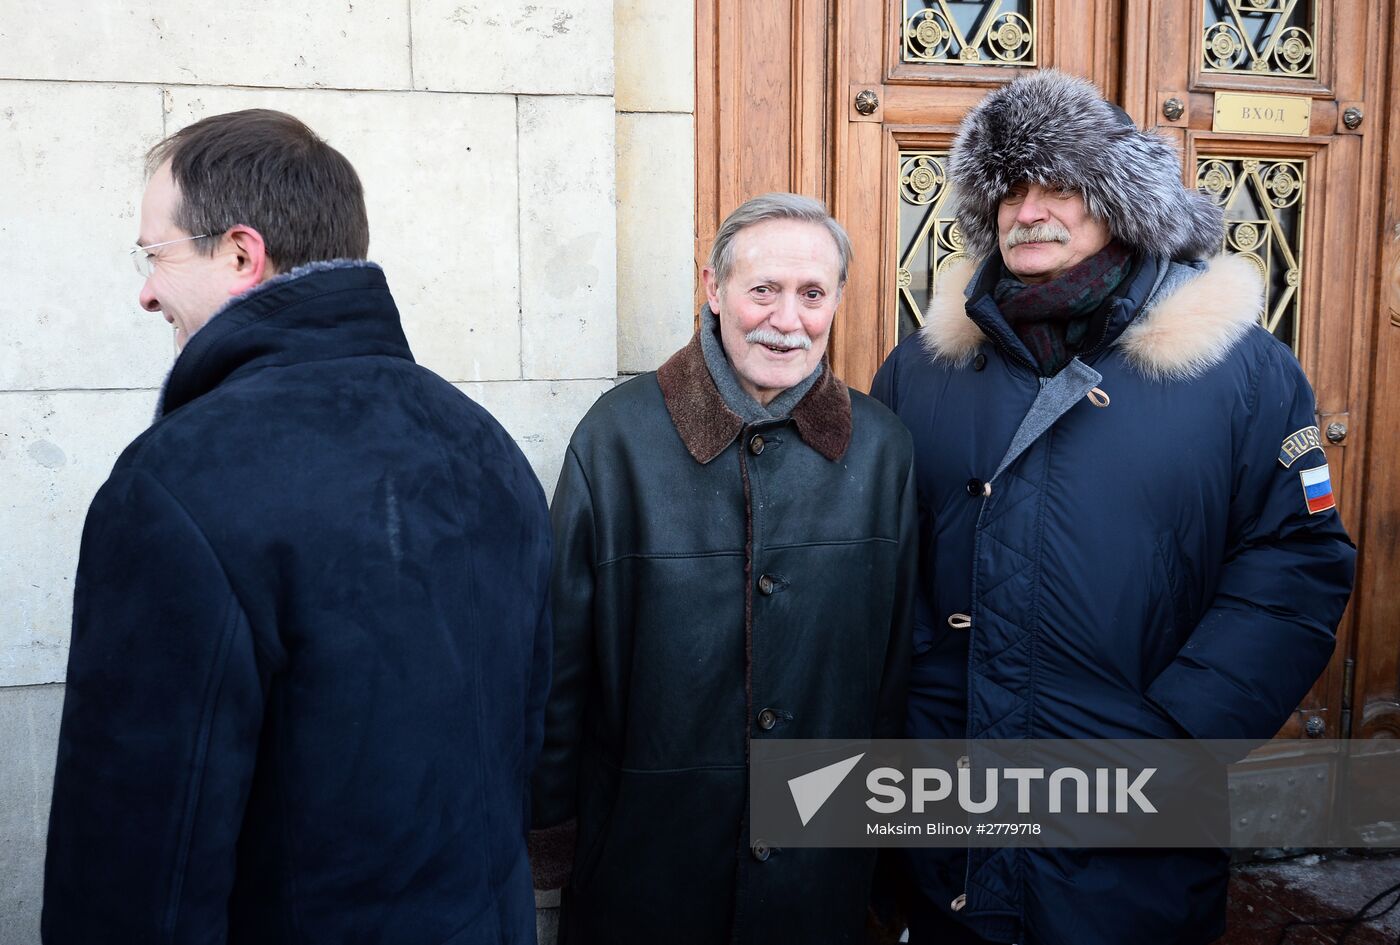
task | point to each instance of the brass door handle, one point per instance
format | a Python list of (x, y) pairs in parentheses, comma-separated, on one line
[(867, 101), (1172, 109)]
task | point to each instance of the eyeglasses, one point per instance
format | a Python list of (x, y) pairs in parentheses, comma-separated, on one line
[(144, 260)]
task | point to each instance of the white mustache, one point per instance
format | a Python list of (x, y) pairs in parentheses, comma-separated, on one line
[(765, 336), (1040, 233)]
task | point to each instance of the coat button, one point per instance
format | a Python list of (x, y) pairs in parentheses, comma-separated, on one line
[(761, 851), (767, 719), (976, 488), (957, 904), (756, 444), (979, 362), (766, 585)]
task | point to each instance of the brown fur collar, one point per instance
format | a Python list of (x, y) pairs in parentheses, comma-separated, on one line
[(1179, 337), (707, 426)]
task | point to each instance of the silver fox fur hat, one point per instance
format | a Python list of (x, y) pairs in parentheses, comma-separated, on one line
[(1052, 128)]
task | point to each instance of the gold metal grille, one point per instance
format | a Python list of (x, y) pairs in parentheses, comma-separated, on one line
[(1264, 201), (929, 238), (970, 32), (1260, 37)]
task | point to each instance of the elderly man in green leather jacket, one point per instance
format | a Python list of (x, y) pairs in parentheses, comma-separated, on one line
[(735, 553)]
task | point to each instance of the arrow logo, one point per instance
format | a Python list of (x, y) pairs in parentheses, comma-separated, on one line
[(813, 789)]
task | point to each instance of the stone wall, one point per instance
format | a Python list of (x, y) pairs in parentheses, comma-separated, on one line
[(529, 170), (655, 180)]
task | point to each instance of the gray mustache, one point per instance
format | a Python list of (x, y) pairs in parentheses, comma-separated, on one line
[(764, 336), (1040, 233)]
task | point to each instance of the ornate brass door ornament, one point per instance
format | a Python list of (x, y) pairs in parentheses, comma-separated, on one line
[(929, 239), (995, 33), (1260, 37), (1264, 200)]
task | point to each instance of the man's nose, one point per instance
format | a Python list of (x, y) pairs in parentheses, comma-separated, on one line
[(148, 297), (786, 318), (1033, 209)]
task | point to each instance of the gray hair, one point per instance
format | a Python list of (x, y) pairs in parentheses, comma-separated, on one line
[(775, 206)]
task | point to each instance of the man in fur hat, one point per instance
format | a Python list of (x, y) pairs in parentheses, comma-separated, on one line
[(1128, 525)]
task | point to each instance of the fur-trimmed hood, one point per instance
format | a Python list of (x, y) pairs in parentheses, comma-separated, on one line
[(1052, 128), (1187, 326)]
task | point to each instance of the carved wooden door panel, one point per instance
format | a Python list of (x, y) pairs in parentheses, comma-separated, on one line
[(1275, 104)]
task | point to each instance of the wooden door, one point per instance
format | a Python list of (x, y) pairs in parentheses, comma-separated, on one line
[(1375, 697), (1276, 105), (762, 106), (857, 102)]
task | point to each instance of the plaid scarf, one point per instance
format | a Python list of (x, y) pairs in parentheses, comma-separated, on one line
[(1052, 318)]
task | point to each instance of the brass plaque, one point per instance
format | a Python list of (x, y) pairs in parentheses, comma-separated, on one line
[(1244, 113)]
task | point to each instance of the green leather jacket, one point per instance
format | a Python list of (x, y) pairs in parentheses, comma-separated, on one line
[(716, 582)]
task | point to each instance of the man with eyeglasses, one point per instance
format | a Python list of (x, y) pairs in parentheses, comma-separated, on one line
[(144, 257), (310, 638)]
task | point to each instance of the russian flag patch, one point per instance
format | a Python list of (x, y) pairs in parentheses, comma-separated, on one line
[(1317, 489)]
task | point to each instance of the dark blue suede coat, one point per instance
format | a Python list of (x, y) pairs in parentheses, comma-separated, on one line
[(1144, 562), (310, 649)]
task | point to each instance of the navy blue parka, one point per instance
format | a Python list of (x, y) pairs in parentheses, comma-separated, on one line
[(310, 648), (1140, 555)]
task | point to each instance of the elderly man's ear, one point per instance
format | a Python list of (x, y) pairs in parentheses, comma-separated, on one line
[(711, 284), (247, 259)]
